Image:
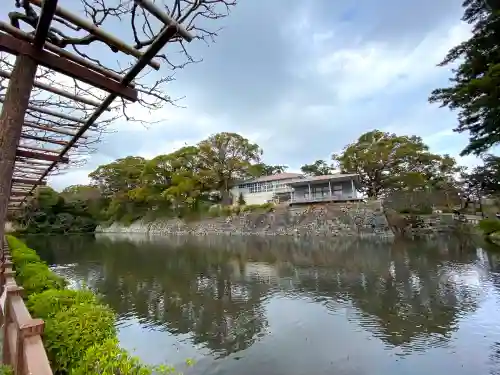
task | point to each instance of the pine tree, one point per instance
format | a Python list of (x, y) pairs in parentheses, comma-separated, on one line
[(475, 87)]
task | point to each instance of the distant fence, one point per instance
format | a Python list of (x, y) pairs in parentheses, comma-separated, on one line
[(22, 343)]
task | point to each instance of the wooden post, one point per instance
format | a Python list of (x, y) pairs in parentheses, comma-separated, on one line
[(11, 122)]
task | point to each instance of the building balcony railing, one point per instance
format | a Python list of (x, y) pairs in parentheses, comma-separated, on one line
[(322, 198)]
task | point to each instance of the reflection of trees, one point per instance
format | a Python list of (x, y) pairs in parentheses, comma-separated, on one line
[(402, 293), (406, 293), (495, 359), (181, 290)]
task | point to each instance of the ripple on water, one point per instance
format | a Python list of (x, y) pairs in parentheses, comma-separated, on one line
[(289, 307)]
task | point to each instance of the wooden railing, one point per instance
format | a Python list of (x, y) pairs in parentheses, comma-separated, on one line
[(22, 343)]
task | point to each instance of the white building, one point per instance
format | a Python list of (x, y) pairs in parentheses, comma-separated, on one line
[(297, 188), (264, 189)]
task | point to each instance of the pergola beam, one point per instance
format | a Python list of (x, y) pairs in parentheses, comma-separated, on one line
[(42, 28), (33, 167), (18, 193), (50, 129), (59, 64), (52, 113), (42, 156), (24, 181), (57, 91), (26, 169), (33, 148), (99, 33), (43, 139), (165, 18), (166, 34), (19, 34), (31, 162)]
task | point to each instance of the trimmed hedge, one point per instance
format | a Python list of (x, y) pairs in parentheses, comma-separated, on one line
[(489, 226), (80, 335)]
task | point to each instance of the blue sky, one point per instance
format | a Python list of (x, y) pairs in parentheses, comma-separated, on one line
[(303, 79)]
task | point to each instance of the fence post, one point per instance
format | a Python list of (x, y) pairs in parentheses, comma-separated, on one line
[(12, 290), (33, 328)]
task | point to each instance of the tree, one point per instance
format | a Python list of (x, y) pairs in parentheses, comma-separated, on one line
[(188, 182), (227, 157), (483, 180), (75, 100), (121, 175), (474, 86), (241, 200), (386, 162), (81, 193), (48, 212), (261, 169), (318, 168)]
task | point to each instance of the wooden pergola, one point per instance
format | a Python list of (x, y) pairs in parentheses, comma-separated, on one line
[(26, 157), (24, 165)]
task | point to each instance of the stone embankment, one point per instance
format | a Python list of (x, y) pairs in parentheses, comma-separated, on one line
[(350, 219)]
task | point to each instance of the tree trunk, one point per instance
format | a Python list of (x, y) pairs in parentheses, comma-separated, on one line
[(11, 121)]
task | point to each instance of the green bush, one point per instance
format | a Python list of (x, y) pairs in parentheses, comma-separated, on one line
[(31, 273), (266, 207), (241, 200), (423, 210), (48, 303), (37, 277), (108, 358), (489, 226), (70, 332), (79, 334), (6, 370), (23, 257)]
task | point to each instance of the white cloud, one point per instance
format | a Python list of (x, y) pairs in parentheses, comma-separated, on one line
[(303, 89), (368, 69)]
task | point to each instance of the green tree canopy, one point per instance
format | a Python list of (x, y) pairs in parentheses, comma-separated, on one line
[(318, 168), (386, 162), (262, 169), (80, 192), (473, 89), (484, 179), (119, 176), (226, 158), (48, 211)]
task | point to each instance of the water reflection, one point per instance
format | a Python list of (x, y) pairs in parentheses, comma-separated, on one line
[(290, 307)]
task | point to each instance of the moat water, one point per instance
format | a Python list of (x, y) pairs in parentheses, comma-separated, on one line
[(293, 307)]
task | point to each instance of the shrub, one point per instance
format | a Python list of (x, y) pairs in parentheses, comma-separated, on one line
[(6, 370), (37, 277), (21, 258), (421, 210), (69, 333), (489, 226), (31, 273), (108, 358), (75, 323), (241, 200), (48, 303), (266, 207)]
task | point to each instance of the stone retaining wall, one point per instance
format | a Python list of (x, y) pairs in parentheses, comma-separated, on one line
[(351, 219), (442, 223)]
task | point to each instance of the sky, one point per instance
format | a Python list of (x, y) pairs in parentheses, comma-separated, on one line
[(303, 79)]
